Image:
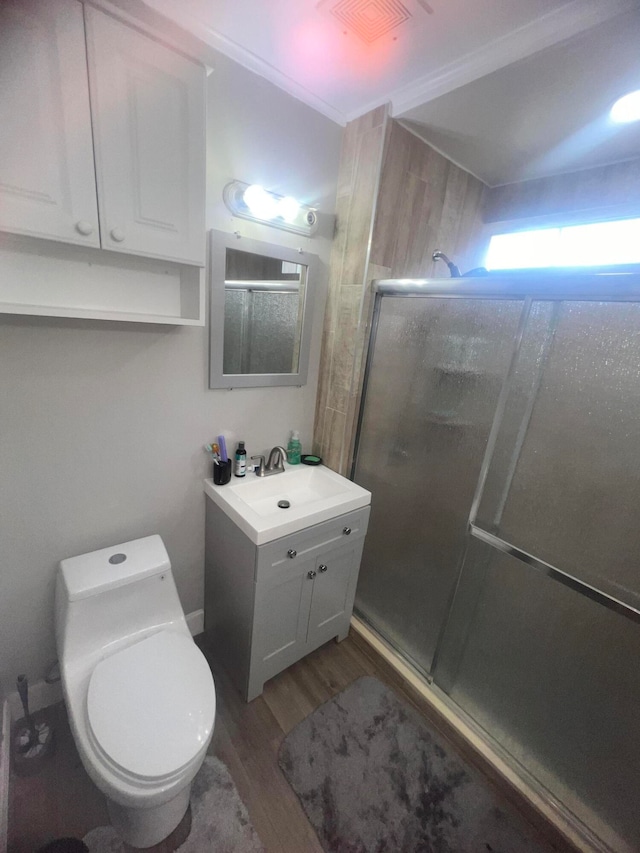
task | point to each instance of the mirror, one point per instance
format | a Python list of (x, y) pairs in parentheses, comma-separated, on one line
[(261, 298)]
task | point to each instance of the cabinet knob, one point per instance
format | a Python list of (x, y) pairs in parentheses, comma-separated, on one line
[(311, 575), (291, 553), (83, 227), (346, 530), (117, 235), (323, 568)]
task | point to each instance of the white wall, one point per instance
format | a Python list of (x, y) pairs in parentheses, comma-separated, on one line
[(102, 424)]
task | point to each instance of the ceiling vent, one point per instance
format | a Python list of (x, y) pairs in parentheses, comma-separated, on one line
[(370, 19)]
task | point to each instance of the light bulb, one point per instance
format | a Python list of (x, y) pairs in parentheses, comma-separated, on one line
[(627, 108), (261, 203), (288, 208)]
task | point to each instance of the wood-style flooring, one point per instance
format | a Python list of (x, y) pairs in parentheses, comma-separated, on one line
[(62, 801)]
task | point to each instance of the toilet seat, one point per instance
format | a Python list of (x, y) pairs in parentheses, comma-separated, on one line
[(151, 706)]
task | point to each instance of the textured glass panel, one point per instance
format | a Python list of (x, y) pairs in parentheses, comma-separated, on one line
[(564, 484), (554, 678), (262, 331), (435, 376), (264, 308), (235, 313), (273, 332)]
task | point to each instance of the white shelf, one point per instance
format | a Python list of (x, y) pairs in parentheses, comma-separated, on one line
[(45, 278)]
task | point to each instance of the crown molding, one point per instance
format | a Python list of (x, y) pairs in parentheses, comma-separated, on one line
[(572, 18), (169, 9), (569, 20)]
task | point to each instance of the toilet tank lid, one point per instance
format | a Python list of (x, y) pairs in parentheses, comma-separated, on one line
[(89, 574)]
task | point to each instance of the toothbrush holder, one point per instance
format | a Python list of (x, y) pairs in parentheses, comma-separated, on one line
[(222, 472)]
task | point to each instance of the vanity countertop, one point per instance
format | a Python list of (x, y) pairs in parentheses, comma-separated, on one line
[(314, 494)]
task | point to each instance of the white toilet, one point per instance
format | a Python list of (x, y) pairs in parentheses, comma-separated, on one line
[(139, 692)]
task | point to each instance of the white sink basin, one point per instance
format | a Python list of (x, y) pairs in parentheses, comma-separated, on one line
[(315, 494)]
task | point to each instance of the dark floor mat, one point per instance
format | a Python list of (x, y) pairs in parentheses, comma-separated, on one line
[(372, 778)]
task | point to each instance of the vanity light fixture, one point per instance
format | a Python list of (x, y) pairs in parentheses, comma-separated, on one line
[(627, 108), (251, 201)]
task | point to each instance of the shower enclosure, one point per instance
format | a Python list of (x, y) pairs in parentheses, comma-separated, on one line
[(500, 436)]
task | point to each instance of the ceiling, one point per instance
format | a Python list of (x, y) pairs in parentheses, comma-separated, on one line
[(543, 115), (509, 89)]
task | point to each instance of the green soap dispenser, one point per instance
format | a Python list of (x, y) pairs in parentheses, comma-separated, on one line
[(294, 448)]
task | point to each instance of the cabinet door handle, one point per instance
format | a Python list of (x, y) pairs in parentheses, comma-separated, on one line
[(311, 575), (322, 567), (291, 553), (117, 235), (346, 530), (83, 227)]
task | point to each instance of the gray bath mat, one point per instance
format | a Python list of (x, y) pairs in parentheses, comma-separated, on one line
[(372, 778), (219, 820)]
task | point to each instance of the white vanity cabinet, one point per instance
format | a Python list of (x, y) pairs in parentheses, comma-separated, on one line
[(267, 606), (123, 169)]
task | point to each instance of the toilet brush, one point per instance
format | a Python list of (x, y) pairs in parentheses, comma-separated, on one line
[(32, 742)]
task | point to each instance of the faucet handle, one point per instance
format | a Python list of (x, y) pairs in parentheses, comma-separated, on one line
[(260, 471)]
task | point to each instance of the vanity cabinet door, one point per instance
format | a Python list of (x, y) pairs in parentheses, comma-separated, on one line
[(281, 617), (148, 108), (334, 589), (47, 180)]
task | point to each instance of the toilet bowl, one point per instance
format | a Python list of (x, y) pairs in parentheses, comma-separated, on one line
[(139, 693)]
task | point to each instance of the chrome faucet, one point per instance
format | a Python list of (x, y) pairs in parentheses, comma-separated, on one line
[(275, 464)]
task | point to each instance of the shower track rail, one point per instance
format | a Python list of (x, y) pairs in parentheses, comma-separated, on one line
[(540, 285)]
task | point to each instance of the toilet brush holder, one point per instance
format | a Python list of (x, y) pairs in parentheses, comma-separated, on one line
[(33, 740)]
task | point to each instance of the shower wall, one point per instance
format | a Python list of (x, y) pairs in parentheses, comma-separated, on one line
[(499, 438), (360, 159), (591, 193), (398, 200)]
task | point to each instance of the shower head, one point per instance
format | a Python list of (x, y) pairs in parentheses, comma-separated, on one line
[(440, 256)]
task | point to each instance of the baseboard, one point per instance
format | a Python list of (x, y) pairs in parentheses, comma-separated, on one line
[(195, 622), (5, 756), (554, 811)]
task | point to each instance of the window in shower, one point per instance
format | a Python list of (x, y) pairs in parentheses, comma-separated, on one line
[(597, 244)]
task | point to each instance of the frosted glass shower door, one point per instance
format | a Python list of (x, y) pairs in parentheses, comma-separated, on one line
[(433, 381), (542, 643)]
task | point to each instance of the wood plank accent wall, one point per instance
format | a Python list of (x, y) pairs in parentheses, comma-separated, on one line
[(426, 202), (605, 190), (417, 201), (360, 161)]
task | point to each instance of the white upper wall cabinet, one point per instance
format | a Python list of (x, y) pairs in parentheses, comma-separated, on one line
[(148, 108), (138, 186), (47, 181)]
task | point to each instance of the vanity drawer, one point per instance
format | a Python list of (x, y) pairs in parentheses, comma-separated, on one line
[(307, 544)]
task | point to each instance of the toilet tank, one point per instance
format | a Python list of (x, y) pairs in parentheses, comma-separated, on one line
[(109, 598)]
